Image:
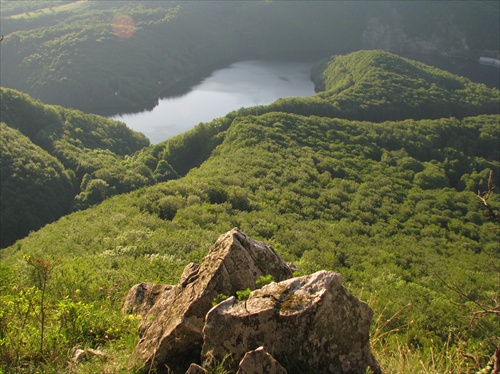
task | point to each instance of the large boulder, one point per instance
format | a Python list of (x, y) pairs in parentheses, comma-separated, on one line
[(171, 330), (310, 324)]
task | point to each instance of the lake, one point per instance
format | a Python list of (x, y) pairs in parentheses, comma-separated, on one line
[(242, 84), (260, 82)]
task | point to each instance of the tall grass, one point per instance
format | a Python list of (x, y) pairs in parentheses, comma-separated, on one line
[(395, 352), (40, 329)]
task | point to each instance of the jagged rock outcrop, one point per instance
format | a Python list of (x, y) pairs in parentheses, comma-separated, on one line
[(304, 324), (309, 324), (171, 331)]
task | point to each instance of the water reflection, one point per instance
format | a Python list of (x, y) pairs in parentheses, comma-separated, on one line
[(242, 84)]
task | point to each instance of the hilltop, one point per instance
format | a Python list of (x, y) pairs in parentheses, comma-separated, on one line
[(390, 205), (380, 86)]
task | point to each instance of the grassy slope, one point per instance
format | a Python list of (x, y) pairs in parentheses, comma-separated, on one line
[(387, 236)]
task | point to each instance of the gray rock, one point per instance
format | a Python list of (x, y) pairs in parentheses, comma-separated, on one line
[(171, 329), (259, 362), (189, 274), (78, 355), (309, 324), (141, 297)]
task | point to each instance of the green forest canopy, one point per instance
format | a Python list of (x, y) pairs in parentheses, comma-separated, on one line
[(103, 157), (79, 143), (390, 205)]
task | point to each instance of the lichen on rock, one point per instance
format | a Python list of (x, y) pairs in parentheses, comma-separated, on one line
[(311, 322)]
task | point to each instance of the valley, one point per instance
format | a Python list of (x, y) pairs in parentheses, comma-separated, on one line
[(377, 176)]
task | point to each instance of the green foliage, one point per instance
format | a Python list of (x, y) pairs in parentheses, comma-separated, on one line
[(89, 161), (72, 55), (380, 86), (264, 280), (328, 194), (392, 206), (243, 294), (48, 125), (190, 149), (98, 153), (35, 188), (219, 367), (38, 324), (70, 323), (42, 271), (219, 298)]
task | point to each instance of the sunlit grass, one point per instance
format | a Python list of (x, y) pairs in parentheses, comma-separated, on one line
[(71, 7)]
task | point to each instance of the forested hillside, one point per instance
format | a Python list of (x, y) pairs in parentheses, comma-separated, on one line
[(374, 202), (81, 145), (99, 154), (380, 86), (35, 187), (121, 56), (391, 205)]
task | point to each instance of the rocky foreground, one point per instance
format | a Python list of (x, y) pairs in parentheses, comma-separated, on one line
[(308, 324)]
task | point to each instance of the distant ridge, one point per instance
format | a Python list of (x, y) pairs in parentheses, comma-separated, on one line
[(379, 86)]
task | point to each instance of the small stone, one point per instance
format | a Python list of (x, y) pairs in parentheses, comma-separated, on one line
[(78, 355), (259, 362), (97, 353)]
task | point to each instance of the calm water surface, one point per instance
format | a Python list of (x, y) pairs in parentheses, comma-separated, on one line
[(242, 84)]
